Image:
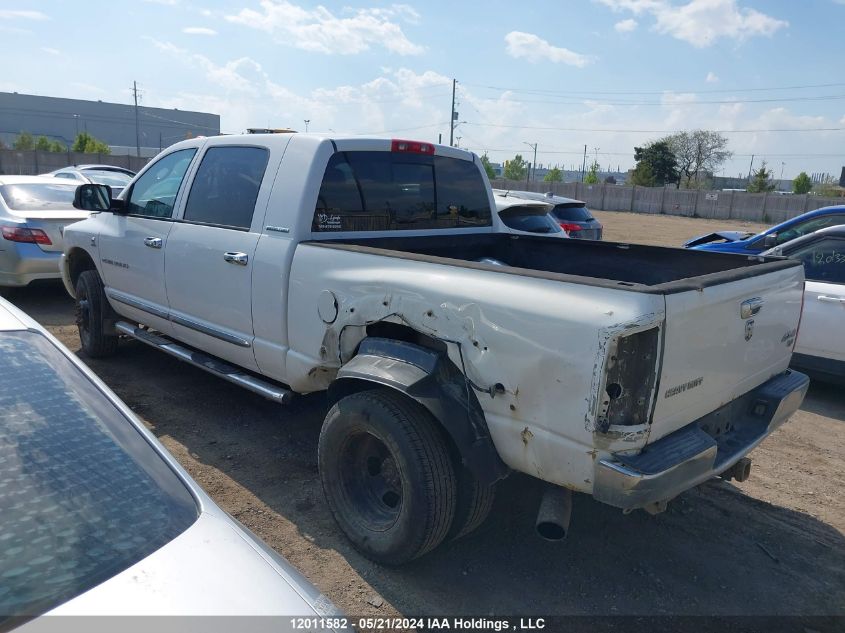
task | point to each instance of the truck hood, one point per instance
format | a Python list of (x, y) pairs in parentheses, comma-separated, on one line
[(718, 237), (213, 568)]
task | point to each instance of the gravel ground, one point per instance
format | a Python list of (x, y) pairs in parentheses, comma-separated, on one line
[(774, 544)]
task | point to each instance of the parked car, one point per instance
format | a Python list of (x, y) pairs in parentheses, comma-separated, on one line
[(115, 177), (276, 262), (750, 243), (33, 213), (820, 350), (524, 217), (97, 518), (573, 215)]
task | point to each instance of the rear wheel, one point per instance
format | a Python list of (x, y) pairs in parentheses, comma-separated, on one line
[(93, 316), (387, 475)]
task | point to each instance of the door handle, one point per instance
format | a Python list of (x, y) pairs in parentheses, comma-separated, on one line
[(827, 299), (240, 259), (153, 242)]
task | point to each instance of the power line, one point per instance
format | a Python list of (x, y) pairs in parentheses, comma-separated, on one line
[(541, 91), (580, 101), (623, 131)]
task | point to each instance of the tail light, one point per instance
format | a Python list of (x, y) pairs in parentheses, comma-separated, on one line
[(411, 147), (27, 236), (569, 228), (630, 379)]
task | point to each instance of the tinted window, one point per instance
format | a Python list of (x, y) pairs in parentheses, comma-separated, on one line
[(824, 260), (154, 193), (572, 214), (385, 191), (809, 226), (226, 186), (38, 197), (83, 496), (529, 220)]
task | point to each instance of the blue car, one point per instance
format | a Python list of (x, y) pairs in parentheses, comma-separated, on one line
[(751, 243)]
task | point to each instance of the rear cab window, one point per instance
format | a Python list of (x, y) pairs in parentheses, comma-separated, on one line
[(395, 191), (83, 495)]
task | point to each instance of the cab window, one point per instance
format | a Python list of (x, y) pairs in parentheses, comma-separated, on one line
[(809, 226), (824, 260), (154, 193), (226, 186)]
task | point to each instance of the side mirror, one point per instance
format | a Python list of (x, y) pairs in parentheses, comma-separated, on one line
[(90, 197), (770, 241)]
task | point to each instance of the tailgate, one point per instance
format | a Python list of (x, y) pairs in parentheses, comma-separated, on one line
[(713, 353), (53, 224)]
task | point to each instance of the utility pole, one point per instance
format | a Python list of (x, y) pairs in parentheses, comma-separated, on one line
[(584, 164), (137, 124), (750, 166), (452, 116), (307, 121), (534, 147)]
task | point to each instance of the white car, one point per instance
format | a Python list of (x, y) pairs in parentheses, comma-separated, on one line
[(33, 213), (820, 349), (527, 217), (97, 518)]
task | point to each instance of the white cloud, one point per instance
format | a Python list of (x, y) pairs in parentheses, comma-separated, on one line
[(702, 22), (51, 51), (319, 30), (22, 14), (169, 3), (625, 26), (712, 78), (198, 30), (534, 48)]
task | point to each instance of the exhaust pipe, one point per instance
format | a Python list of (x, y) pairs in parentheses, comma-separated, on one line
[(740, 471), (554, 513)]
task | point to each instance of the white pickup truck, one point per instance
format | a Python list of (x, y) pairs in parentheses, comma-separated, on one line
[(451, 353)]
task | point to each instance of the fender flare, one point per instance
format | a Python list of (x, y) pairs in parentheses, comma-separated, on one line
[(431, 379)]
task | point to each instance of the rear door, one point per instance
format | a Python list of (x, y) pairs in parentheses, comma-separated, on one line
[(211, 249), (822, 332), (722, 341), (131, 244)]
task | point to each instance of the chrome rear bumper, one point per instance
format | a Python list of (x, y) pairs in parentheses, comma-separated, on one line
[(701, 450)]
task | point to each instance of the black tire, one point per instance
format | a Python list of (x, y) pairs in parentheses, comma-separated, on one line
[(474, 503), (94, 316), (387, 475)]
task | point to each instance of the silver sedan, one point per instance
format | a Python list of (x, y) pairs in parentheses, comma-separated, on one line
[(97, 518)]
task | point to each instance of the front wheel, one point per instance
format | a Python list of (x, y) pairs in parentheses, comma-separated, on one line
[(387, 475), (92, 316)]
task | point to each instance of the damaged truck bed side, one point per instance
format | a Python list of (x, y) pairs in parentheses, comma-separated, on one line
[(451, 353)]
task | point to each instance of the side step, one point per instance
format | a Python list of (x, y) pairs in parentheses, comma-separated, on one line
[(213, 365)]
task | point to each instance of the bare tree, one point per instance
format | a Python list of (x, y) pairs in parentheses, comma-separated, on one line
[(698, 153)]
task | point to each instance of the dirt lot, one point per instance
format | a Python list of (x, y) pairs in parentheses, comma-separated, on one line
[(772, 545)]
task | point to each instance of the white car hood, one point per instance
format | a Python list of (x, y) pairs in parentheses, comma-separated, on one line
[(210, 569)]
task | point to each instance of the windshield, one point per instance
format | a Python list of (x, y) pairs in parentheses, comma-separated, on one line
[(36, 196), (82, 494), (103, 177), (575, 213), (530, 220)]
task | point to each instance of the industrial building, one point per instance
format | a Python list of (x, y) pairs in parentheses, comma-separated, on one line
[(113, 123)]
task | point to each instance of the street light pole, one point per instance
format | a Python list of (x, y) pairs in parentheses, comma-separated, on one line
[(534, 164), (307, 121)]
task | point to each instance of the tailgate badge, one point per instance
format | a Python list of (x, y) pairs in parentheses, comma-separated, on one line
[(749, 329), (750, 307)]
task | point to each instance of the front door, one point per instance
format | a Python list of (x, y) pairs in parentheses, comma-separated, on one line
[(210, 253), (131, 248)]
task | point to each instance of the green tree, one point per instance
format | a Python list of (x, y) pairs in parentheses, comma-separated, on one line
[(553, 175), (516, 169), (761, 180), (485, 161), (827, 187), (86, 143), (802, 183), (42, 143), (592, 177), (698, 152), (643, 175), (24, 141), (58, 147), (660, 160)]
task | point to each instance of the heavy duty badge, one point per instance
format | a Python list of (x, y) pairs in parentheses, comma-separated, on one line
[(749, 329)]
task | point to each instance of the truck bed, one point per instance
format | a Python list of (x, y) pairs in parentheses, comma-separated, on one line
[(650, 269)]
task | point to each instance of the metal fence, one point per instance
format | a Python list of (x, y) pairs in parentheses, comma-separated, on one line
[(766, 208), (32, 162)]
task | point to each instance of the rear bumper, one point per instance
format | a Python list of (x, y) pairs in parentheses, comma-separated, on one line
[(700, 450), (22, 263)]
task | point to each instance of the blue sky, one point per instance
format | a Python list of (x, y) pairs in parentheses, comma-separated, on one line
[(609, 74)]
